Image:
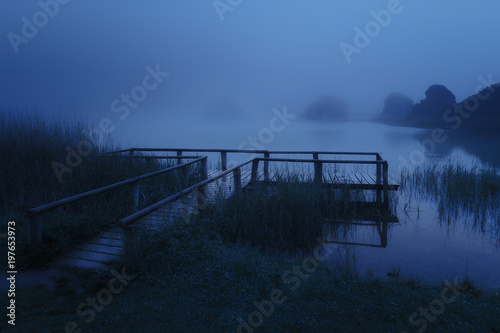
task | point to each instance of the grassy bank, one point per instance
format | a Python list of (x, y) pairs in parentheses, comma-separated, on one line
[(253, 262), (44, 161), (190, 280)]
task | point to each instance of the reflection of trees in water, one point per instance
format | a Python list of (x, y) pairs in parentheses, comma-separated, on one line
[(433, 148), (485, 147)]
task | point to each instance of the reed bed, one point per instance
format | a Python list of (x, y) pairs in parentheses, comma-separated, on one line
[(30, 146), (286, 215), (461, 193)]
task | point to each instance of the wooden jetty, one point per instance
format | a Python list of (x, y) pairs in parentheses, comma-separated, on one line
[(119, 242)]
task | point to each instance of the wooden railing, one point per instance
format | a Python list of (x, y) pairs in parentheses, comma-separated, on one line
[(34, 214), (128, 223), (224, 152), (130, 243), (382, 171)]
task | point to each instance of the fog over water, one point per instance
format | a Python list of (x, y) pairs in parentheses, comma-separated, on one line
[(207, 74), (260, 55)]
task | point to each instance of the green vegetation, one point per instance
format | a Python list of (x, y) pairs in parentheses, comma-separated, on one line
[(31, 146)]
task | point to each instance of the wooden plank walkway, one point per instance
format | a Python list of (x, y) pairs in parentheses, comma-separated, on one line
[(361, 181), (107, 246)]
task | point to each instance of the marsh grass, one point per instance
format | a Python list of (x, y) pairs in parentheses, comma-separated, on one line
[(190, 280), (29, 144), (460, 193), (202, 276), (287, 214)]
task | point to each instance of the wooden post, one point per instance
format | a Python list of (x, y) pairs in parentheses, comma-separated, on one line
[(134, 199), (237, 181), (318, 169), (379, 179), (179, 153), (35, 230), (255, 167), (318, 172), (384, 234), (266, 167), (185, 177), (204, 169), (223, 158), (386, 185), (202, 193), (130, 246)]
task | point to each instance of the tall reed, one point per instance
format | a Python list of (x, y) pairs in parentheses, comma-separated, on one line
[(460, 192), (287, 215), (31, 144)]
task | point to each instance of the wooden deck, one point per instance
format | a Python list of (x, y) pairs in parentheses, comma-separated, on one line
[(107, 246), (118, 244)]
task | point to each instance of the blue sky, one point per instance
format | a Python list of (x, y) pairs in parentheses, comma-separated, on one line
[(263, 54)]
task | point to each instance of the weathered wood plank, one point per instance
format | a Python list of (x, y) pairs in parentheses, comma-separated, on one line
[(118, 251), (92, 256), (106, 241), (108, 234)]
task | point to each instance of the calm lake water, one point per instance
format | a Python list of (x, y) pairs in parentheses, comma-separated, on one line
[(420, 245)]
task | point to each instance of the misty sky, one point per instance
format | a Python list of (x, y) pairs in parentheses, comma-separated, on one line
[(264, 53)]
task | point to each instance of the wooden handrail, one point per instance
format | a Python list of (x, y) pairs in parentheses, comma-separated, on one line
[(321, 161), (150, 209), (74, 198), (382, 175), (155, 157), (253, 151)]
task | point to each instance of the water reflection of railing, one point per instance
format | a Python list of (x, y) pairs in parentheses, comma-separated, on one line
[(344, 226)]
